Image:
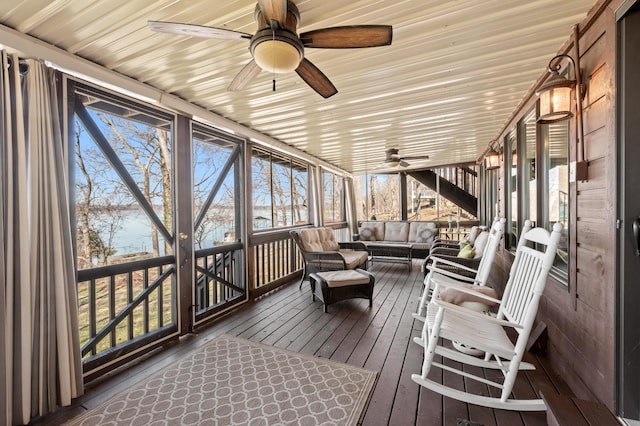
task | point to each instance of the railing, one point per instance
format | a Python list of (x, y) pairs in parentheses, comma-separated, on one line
[(465, 178), (275, 259), (218, 279), (125, 306), (455, 231)]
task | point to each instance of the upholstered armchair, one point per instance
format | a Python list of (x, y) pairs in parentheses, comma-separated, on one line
[(321, 252)]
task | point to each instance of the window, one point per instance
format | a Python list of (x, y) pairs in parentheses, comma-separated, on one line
[(378, 197), (215, 201), (333, 197), (529, 182), (123, 180), (556, 201), (421, 201), (489, 196), (537, 183), (279, 191), (511, 189)]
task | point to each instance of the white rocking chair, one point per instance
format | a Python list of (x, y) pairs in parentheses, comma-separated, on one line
[(444, 269), (518, 309)]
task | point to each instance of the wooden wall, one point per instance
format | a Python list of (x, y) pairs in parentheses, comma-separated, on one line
[(580, 320)]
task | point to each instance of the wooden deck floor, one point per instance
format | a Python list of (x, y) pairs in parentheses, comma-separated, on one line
[(379, 339)]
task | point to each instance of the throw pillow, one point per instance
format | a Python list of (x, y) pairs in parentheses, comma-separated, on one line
[(367, 234), (424, 235), (457, 297), (467, 252), (463, 243)]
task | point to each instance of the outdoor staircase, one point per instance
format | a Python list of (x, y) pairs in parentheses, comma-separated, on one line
[(455, 184)]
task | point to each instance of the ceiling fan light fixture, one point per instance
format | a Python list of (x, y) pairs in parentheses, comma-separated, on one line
[(277, 56), (392, 162)]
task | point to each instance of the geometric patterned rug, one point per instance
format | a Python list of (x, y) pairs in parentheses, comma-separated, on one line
[(233, 381)]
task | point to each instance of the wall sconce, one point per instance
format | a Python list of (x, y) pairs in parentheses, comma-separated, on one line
[(492, 160), (555, 104), (555, 93)]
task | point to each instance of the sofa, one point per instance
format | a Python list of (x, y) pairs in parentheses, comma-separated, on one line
[(419, 235)]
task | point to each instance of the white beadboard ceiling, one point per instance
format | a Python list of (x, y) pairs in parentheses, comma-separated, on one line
[(445, 87)]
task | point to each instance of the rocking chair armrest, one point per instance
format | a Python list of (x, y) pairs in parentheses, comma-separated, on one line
[(451, 274), (448, 260), (474, 314), (446, 243), (444, 251), (464, 288)]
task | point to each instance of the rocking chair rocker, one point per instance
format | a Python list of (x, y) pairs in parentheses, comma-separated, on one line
[(518, 309)]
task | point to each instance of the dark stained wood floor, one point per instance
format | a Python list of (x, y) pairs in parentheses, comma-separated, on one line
[(380, 339)]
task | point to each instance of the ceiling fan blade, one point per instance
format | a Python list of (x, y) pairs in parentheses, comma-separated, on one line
[(274, 10), (404, 163), (316, 79), (197, 31), (416, 157), (348, 37), (245, 76)]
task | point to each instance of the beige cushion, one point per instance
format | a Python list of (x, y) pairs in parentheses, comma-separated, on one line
[(378, 229), (480, 243), (343, 278), (367, 233), (425, 234), (457, 297), (310, 240), (422, 232), (354, 258), (396, 232), (327, 239), (473, 234), (318, 239)]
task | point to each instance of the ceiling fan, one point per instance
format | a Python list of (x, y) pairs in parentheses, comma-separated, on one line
[(394, 160), (276, 47)]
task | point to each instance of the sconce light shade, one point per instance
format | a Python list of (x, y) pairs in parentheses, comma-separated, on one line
[(555, 96), (492, 160)]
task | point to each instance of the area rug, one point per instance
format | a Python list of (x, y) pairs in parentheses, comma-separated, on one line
[(233, 381)]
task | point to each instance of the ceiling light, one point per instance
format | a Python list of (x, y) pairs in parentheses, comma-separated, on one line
[(277, 56), (276, 50), (392, 162)]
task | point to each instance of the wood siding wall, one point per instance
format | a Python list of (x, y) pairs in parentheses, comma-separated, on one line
[(581, 320)]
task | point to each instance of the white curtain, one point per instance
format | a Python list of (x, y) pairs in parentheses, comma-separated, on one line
[(39, 341), (350, 200)]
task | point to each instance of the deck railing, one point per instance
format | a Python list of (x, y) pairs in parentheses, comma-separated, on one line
[(218, 278), (275, 260), (125, 306), (129, 307)]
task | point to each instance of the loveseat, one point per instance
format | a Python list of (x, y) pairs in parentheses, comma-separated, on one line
[(419, 235)]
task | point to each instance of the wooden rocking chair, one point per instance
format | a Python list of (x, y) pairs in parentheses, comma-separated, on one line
[(518, 309), (452, 271)]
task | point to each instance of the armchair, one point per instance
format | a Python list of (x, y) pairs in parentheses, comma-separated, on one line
[(321, 252)]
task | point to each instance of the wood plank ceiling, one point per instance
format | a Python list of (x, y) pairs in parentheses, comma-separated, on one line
[(454, 73)]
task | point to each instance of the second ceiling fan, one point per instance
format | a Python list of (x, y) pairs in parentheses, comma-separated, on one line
[(276, 46), (393, 158)]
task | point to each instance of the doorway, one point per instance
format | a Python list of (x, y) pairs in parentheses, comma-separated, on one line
[(628, 337)]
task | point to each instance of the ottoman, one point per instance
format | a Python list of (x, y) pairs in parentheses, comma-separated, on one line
[(333, 286)]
